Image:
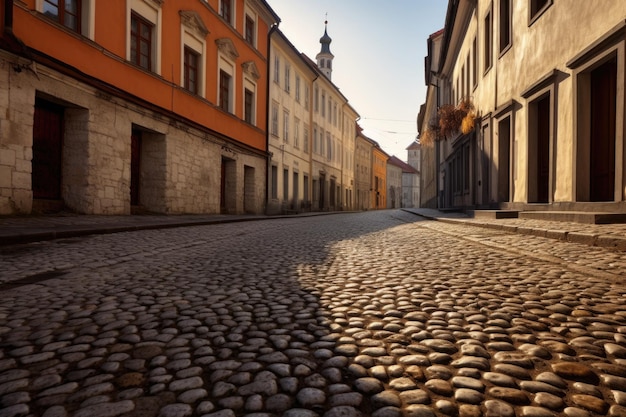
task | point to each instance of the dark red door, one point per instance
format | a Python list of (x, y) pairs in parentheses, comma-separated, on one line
[(135, 166), (47, 150), (603, 109)]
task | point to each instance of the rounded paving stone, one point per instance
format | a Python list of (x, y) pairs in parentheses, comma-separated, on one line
[(510, 395), (439, 386), (496, 408), (368, 385), (591, 403), (309, 397)]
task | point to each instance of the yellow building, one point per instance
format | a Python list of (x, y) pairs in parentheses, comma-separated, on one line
[(379, 178)]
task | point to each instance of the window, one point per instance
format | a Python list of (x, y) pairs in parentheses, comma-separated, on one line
[(66, 12), (225, 89), (537, 8), (226, 10), (475, 63), (287, 78), (505, 25), (191, 70), (274, 119), (250, 30), (249, 106), (297, 88), (285, 126), (305, 139), (323, 104), (296, 133), (322, 142), (329, 147), (277, 69), (306, 97), (315, 140), (316, 97), (487, 39), (141, 42)]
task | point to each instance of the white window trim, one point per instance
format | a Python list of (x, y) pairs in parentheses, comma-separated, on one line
[(151, 11), (233, 13), (249, 12), (193, 35)]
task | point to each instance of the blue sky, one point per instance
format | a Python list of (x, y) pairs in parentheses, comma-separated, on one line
[(379, 48)]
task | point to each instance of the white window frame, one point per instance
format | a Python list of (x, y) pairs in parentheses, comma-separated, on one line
[(152, 12), (195, 39), (285, 125), (248, 12), (274, 125)]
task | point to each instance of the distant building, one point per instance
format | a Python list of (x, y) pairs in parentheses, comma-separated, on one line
[(409, 184), (363, 173), (394, 183), (379, 178)]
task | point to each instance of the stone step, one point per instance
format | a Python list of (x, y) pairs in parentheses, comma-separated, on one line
[(493, 214), (575, 216)]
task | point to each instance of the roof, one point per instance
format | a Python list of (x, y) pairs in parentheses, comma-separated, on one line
[(413, 145), (406, 168)]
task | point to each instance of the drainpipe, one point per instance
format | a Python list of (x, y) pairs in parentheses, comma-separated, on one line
[(268, 162)]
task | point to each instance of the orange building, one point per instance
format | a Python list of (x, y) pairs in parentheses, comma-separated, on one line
[(379, 178), (111, 105)]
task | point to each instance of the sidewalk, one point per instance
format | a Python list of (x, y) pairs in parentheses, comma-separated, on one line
[(602, 235), (25, 229)]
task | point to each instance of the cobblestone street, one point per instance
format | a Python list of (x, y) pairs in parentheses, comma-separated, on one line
[(380, 314)]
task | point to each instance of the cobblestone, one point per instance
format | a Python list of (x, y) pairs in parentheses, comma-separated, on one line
[(368, 314)]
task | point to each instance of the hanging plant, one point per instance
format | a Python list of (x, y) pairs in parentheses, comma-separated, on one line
[(453, 119)]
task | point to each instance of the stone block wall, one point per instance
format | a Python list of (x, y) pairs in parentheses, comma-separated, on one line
[(180, 166)]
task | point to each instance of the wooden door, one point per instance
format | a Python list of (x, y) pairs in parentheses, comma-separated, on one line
[(47, 151), (603, 109), (543, 150)]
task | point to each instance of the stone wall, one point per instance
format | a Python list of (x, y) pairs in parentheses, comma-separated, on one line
[(180, 166)]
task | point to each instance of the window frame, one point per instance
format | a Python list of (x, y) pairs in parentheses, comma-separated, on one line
[(61, 12), (505, 34), (488, 40), (274, 120), (188, 68), (136, 41), (149, 10), (533, 17), (249, 31), (227, 11), (225, 88), (285, 126)]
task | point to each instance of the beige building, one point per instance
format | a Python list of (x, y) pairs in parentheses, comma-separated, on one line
[(394, 182), (333, 138), (546, 80), (363, 170), (289, 144)]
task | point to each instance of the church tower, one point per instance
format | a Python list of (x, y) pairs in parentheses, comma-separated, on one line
[(325, 57)]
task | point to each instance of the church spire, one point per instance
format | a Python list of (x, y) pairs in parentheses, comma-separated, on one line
[(325, 57)]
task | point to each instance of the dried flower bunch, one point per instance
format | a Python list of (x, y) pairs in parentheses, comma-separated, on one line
[(450, 120)]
